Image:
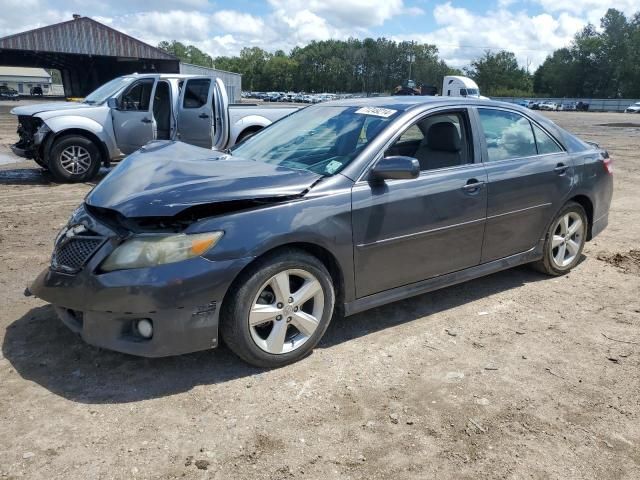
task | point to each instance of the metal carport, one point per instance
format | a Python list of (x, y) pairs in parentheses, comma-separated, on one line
[(86, 52)]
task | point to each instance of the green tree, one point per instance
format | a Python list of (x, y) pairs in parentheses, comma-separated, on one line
[(187, 53), (499, 74), (598, 63)]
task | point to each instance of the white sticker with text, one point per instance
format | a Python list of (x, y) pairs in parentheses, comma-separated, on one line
[(376, 111)]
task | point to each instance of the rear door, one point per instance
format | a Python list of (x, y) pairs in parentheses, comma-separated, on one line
[(195, 112), (221, 110), (530, 176), (405, 231), (133, 124)]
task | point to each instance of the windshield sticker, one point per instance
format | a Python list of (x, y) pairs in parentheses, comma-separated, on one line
[(332, 167), (376, 111)]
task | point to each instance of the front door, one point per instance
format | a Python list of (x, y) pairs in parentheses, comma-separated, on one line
[(133, 123), (195, 112), (405, 231), (530, 176)]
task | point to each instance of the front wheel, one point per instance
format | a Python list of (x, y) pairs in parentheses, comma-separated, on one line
[(74, 158), (278, 311), (564, 241)]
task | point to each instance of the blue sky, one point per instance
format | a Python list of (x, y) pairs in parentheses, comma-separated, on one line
[(462, 29)]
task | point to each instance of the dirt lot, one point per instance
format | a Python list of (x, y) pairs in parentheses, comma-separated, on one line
[(516, 375)]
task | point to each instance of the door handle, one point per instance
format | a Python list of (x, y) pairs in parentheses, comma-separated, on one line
[(203, 115), (472, 185), (560, 169), (146, 120)]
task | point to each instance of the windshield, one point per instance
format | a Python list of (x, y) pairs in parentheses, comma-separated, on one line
[(101, 94), (321, 139)]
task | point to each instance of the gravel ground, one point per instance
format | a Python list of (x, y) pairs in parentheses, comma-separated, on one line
[(515, 375)]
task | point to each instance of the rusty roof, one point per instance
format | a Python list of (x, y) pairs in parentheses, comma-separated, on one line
[(83, 36)]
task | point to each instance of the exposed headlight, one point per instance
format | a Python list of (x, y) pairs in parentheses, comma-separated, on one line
[(151, 250)]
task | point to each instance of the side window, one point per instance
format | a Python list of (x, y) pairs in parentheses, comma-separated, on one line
[(508, 135), (197, 92), (436, 141), (546, 144), (138, 96)]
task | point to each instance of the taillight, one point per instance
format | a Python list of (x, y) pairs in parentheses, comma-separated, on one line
[(608, 165)]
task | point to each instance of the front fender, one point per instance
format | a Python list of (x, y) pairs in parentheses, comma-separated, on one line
[(76, 122)]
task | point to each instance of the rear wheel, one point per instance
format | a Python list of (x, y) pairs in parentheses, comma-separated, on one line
[(74, 158), (278, 311), (246, 134), (564, 241)]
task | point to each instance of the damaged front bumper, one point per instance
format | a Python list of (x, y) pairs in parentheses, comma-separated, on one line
[(181, 300), (32, 132)]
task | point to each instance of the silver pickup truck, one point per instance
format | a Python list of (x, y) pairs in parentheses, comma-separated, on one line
[(73, 139)]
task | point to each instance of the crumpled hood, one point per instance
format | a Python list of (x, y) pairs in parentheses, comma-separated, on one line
[(165, 178), (48, 107)]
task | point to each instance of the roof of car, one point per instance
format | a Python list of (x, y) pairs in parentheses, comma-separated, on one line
[(406, 102)]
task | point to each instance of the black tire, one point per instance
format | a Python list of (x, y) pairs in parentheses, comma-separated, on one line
[(547, 264), (234, 322), (60, 145), (246, 134), (41, 163)]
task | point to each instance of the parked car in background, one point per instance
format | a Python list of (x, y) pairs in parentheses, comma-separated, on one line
[(323, 211), (74, 139), (549, 106), (8, 93), (534, 105), (633, 108), (522, 102), (582, 106), (568, 106), (36, 91)]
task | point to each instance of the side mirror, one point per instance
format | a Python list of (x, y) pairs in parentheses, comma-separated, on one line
[(395, 168), (113, 103)]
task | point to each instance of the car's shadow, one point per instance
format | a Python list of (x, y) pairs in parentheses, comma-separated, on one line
[(37, 176), (43, 350)]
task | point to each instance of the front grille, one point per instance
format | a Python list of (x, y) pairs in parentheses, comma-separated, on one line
[(71, 254)]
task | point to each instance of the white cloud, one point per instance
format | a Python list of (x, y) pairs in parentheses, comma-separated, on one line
[(344, 13), (13, 15), (462, 35), (235, 22), (589, 10)]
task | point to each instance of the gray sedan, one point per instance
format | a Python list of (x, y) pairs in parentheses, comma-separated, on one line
[(338, 208)]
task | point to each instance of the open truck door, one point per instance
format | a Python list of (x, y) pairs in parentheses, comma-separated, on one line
[(221, 109), (133, 124), (196, 112)]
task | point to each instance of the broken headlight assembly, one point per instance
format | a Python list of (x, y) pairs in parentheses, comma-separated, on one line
[(40, 134), (151, 250)]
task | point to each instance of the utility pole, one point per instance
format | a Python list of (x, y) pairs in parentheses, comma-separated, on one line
[(411, 56)]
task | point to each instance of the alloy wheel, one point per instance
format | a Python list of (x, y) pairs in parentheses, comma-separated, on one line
[(75, 159), (286, 311), (568, 236)]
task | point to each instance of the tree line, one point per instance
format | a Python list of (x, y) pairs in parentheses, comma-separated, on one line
[(602, 62)]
